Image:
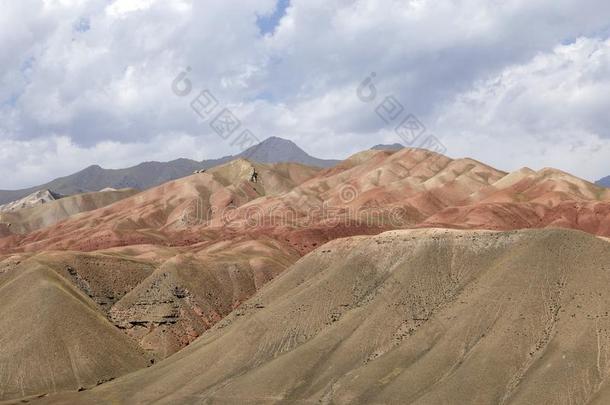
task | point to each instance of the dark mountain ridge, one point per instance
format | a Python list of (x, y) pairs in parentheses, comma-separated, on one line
[(150, 174), (605, 182)]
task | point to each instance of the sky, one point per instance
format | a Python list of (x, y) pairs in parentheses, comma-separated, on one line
[(511, 83)]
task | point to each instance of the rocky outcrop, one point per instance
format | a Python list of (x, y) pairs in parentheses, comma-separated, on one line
[(35, 199)]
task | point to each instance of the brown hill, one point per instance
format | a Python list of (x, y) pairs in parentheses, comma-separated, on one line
[(547, 186), (190, 292), (54, 338), (164, 268), (164, 298), (27, 220), (528, 199), (40, 197), (369, 193), (406, 317), (162, 215), (377, 190)]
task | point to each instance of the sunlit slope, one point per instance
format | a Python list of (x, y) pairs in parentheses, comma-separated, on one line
[(54, 338), (163, 214), (405, 317), (28, 220)]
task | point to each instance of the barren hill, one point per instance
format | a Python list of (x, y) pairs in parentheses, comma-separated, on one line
[(53, 337), (151, 174), (128, 306), (169, 213), (25, 220), (372, 191), (405, 317), (199, 276), (35, 199)]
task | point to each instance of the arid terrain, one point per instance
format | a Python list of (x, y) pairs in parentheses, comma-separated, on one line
[(278, 202), (394, 277), (410, 316)]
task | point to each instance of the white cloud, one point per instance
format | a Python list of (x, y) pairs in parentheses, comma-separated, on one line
[(40, 160), (107, 81), (120, 8), (550, 111)]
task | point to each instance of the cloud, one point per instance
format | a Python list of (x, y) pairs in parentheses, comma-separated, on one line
[(39, 160), (550, 111), (98, 72)]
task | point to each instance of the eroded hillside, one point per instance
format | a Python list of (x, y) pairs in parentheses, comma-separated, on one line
[(405, 317)]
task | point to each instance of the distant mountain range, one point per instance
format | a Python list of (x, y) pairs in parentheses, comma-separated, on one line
[(333, 309), (605, 182), (150, 174), (38, 198), (394, 146)]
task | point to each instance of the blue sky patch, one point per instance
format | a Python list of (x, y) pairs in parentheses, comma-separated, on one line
[(267, 24), (82, 25)]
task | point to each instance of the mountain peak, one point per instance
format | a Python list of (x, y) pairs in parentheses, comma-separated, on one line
[(605, 182), (277, 139), (275, 150), (93, 168), (394, 146), (149, 174), (277, 142), (37, 198)]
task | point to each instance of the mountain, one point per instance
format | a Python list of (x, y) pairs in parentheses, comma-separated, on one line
[(53, 330), (288, 288), (163, 289), (151, 174), (394, 146), (32, 200), (405, 317), (605, 182), (170, 213), (277, 150), (371, 192), (37, 216), (94, 178)]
